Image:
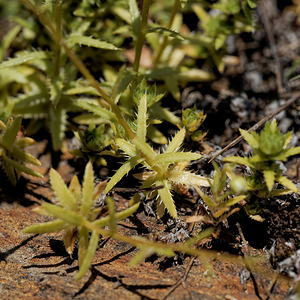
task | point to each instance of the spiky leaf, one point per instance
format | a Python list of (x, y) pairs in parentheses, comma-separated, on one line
[(166, 197), (64, 195), (90, 42), (87, 190), (90, 253)]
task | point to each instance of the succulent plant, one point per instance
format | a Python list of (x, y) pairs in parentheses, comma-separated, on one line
[(269, 147), (13, 158)]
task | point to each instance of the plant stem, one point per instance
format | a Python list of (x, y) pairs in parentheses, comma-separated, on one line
[(86, 73), (178, 247), (164, 43), (58, 24), (141, 36)]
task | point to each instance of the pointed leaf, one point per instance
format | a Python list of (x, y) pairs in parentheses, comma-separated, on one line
[(235, 200), (11, 132), (21, 168), (140, 256), (269, 176), (87, 190), (75, 188), (166, 198), (135, 18), (63, 214), (176, 142), (24, 58), (145, 149), (122, 82), (250, 139), (69, 238), (122, 171), (208, 201), (90, 42), (171, 158), (64, 195), (93, 244), (97, 110), (160, 209), (52, 226), (287, 183), (126, 147), (25, 142), (141, 126), (188, 178), (292, 151), (24, 156), (7, 40), (239, 160)]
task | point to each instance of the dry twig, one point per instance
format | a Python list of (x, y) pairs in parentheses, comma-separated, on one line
[(293, 99)]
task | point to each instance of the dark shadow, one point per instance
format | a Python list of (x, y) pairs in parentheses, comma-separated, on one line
[(4, 255), (133, 288), (73, 269), (58, 251), (141, 228), (108, 261)]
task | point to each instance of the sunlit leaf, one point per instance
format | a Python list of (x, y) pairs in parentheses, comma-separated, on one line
[(90, 253), (250, 139), (170, 158), (52, 226), (141, 126), (287, 183), (10, 134), (64, 195), (269, 176), (24, 58), (90, 42), (176, 142), (166, 198), (87, 189), (122, 171), (64, 214)]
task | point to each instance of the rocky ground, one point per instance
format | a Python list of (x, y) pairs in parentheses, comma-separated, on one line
[(256, 83)]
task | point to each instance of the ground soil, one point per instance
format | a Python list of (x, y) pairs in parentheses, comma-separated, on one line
[(253, 85)]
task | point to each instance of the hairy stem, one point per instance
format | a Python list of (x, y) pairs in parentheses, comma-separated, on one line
[(178, 247), (164, 43), (141, 36), (58, 24)]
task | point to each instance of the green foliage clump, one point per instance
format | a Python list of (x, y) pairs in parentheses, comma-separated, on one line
[(192, 120), (12, 155), (269, 147), (76, 213), (221, 200), (163, 169)]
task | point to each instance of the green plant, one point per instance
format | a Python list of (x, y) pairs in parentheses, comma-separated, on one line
[(12, 156), (221, 200), (269, 147), (192, 120), (163, 169), (76, 212)]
